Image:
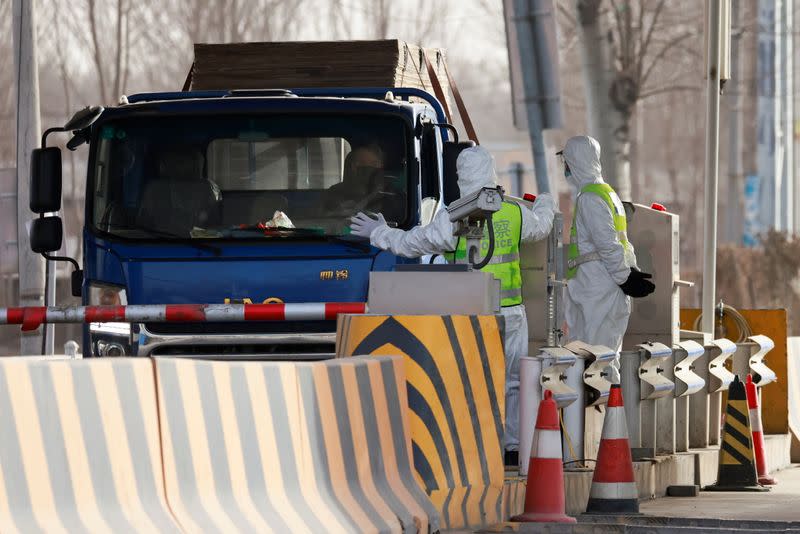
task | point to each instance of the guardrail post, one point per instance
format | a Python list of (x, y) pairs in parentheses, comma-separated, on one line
[(590, 377), (718, 381), (762, 375), (546, 371), (687, 382), (740, 361), (657, 414), (572, 440), (630, 360), (700, 404)]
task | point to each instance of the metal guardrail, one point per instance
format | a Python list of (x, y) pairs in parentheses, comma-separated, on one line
[(687, 382), (762, 375), (656, 359), (555, 362), (595, 376), (720, 378)]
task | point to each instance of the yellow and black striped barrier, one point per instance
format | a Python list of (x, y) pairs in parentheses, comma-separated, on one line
[(455, 376), (79, 449), (737, 467), (514, 496), (288, 447), (357, 423)]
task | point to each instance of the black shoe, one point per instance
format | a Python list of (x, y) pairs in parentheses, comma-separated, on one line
[(512, 459)]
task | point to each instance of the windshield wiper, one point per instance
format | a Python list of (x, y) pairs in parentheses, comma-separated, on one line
[(152, 232)]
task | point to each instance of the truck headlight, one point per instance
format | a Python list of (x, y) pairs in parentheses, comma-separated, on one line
[(106, 295), (109, 339)]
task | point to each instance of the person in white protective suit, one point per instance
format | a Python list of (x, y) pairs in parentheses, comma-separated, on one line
[(513, 223), (602, 272)]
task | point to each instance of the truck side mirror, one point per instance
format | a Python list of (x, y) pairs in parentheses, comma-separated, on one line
[(76, 282), (46, 234), (451, 150), (45, 185)]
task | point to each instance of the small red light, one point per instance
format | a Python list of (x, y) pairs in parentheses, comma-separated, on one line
[(658, 207), (529, 197)]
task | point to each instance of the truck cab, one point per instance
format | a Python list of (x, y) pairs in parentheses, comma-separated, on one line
[(246, 196)]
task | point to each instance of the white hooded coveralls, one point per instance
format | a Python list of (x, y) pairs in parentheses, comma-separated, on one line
[(475, 168), (596, 309)]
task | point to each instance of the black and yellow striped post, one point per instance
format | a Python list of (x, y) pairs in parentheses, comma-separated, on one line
[(737, 468), (455, 384)]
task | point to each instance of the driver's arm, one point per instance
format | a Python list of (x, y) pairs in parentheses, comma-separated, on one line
[(434, 238)]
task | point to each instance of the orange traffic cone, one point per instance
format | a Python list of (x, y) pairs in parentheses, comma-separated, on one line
[(544, 493), (613, 485), (758, 434)]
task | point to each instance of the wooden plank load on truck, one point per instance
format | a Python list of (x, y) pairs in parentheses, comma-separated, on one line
[(314, 64)]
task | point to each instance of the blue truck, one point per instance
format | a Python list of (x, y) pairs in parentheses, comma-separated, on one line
[(243, 196)]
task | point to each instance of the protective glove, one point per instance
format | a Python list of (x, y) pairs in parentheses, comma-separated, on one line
[(637, 285), (363, 225), (544, 200)]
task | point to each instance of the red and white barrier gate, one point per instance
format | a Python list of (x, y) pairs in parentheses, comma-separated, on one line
[(32, 317)]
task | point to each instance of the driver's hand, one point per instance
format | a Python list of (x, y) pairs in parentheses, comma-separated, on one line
[(363, 225)]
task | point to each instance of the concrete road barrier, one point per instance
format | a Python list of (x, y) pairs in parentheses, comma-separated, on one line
[(356, 416), (285, 447), (455, 372), (79, 449)]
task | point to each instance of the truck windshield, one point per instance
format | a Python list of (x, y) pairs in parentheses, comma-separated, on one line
[(218, 177)]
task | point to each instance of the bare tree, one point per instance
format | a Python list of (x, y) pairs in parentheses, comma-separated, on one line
[(626, 43)]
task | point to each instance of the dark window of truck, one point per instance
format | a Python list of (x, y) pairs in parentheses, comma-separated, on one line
[(218, 177)]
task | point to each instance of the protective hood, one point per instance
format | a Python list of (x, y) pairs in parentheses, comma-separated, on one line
[(475, 169), (582, 154)]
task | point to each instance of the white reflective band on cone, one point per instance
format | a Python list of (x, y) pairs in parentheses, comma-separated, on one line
[(616, 426), (304, 311), (221, 313), (614, 490), (548, 443), (755, 420)]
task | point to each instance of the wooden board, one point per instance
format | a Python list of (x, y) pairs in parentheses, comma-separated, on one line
[(314, 64)]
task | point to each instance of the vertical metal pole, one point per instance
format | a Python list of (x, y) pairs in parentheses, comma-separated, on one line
[(631, 394), (530, 395), (787, 114), (574, 414), (517, 172), (712, 166), (665, 415), (49, 330), (31, 266), (525, 18), (682, 424), (699, 406), (733, 88), (767, 116)]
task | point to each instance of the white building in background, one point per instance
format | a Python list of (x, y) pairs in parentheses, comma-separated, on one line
[(777, 195)]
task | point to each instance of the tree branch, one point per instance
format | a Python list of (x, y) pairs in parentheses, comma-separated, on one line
[(621, 37), (567, 14), (668, 89), (98, 59), (653, 23), (658, 57)]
